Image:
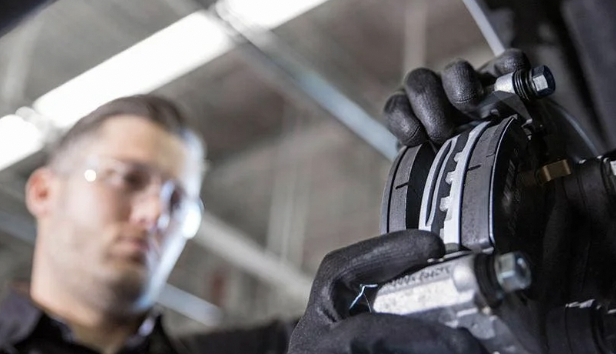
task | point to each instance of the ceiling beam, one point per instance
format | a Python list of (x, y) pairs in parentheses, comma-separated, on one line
[(240, 249), (274, 56)]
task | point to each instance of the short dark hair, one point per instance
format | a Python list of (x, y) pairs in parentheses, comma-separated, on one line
[(156, 109)]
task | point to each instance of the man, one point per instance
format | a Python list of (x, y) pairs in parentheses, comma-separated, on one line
[(119, 196), (114, 204)]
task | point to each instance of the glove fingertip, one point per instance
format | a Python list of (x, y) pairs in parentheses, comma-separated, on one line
[(462, 85), (420, 80), (401, 121), (510, 60), (429, 102), (445, 133)]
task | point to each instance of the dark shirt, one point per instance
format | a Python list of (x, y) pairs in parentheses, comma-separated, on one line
[(269, 338), (25, 328)]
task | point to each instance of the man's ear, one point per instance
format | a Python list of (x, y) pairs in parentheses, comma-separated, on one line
[(39, 191)]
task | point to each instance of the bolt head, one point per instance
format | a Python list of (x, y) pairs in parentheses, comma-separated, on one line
[(512, 272), (542, 81)]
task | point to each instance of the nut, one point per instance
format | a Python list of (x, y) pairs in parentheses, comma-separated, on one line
[(512, 272)]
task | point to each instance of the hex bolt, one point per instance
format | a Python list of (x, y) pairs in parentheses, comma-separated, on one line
[(542, 81), (512, 272), (535, 83), (530, 84)]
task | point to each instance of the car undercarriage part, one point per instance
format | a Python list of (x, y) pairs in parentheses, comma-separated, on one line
[(488, 193)]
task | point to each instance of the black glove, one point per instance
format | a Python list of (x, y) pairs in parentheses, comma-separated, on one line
[(429, 107), (327, 326)]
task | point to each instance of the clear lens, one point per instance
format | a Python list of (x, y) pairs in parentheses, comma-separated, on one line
[(183, 214), (187, 219), (193, 218)]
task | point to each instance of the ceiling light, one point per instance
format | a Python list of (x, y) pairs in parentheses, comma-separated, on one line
[(159, 59), (146, 66), (270, 13), (18, 139)]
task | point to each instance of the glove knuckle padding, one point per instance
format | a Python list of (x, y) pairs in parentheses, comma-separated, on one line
[(371, 333), (462, 86), (373, 261), (380, 258), (401, 120), (328, 328), (430, 104)]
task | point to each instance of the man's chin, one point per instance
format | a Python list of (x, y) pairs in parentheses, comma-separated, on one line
[(129, 278)]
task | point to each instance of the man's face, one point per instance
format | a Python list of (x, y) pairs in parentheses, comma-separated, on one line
[(107, 210)]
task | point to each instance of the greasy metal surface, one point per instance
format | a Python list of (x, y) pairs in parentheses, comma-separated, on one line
[(449, 293), (554, 170)]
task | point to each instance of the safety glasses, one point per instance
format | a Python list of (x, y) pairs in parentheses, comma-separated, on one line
[(183, 213)]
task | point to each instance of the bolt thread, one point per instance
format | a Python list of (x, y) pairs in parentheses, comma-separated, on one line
[(522, 85), (486, 279)]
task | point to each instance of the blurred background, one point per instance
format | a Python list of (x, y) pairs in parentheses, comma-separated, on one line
[(286, 94)]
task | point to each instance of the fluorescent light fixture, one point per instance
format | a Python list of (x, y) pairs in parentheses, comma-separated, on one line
[(18, 139), (144, 67), (271, 13), (160, 59)]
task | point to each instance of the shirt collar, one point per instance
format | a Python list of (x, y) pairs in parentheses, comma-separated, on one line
[(18, 317), (148, 326)]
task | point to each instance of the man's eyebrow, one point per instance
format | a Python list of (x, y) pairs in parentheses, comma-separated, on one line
[(142, 165)]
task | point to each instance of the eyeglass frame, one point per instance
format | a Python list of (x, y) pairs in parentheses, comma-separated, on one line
[(92, 172)]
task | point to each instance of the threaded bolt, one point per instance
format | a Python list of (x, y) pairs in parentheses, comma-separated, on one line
[(512, 272), (535, 83)]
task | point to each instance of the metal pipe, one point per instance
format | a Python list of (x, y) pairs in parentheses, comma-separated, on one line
[(266, 49), (478, 10), (240, 250)]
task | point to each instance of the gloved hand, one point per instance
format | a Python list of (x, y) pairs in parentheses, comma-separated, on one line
[(327, 327), (430, 107)]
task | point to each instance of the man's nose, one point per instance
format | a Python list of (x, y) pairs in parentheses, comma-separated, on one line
[(150, 211)]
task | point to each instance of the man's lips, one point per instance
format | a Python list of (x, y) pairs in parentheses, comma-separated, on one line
[(134, 247)]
